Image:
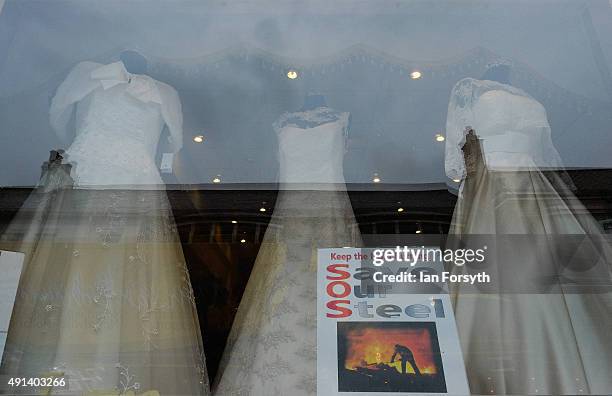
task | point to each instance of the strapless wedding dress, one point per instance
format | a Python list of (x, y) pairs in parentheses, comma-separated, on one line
[(272, 345)]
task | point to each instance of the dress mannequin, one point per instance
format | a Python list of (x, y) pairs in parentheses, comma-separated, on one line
[(105, 297), (271, 349), (549, 339)]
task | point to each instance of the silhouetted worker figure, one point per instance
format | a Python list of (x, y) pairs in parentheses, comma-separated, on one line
[(405, 356)]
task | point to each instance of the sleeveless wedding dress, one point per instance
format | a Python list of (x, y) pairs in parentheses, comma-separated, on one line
[(272, 345), (518, 340), (105, 299)]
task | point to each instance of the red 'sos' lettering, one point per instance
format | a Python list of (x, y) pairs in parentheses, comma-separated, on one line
[(337, 275), (343, 311), (332, 293), (334, 269)]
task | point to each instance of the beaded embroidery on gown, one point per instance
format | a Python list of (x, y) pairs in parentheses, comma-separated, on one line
[(551, 342), (271, 349), (105, 299)]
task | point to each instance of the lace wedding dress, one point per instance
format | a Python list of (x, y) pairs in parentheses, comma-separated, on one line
[(272, 346), (542, 328), (105, 298)]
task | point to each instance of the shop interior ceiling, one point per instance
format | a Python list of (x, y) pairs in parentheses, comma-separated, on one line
[(229, 62)]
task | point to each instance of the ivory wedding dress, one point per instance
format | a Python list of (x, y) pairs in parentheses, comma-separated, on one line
[(105, 298), (543, 328), (272, 346)]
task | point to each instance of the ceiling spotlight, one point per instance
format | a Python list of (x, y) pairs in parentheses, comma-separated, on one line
[(234, 222), (292, 74), (217, 179), (400, 210), (242, 240), (198, 138), (262, 209), (376, 178), (418, 231), (439, 137), (415, 75)]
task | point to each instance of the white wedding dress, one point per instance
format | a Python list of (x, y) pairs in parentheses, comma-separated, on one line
[(272, 346), (105, 298), (515, 339)]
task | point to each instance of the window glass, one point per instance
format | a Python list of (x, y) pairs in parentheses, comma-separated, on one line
[(172, 173)]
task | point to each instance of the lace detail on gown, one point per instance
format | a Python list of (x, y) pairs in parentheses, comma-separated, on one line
[(512, 125), (272, 346), (309, 118), (119, 119), (105, 295), (553, 342)]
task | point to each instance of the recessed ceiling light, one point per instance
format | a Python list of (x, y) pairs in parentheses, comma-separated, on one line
[(292, 74), (376, 178), (242, 240), (439, 137), (418, 231), (198, 138), (415, 75), (262, 209), (234, 222), (217, 179), (400, 210)]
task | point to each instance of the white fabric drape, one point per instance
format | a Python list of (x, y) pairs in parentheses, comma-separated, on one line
[(105, 297), (518, 340), (86, 77), (484, 105)]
